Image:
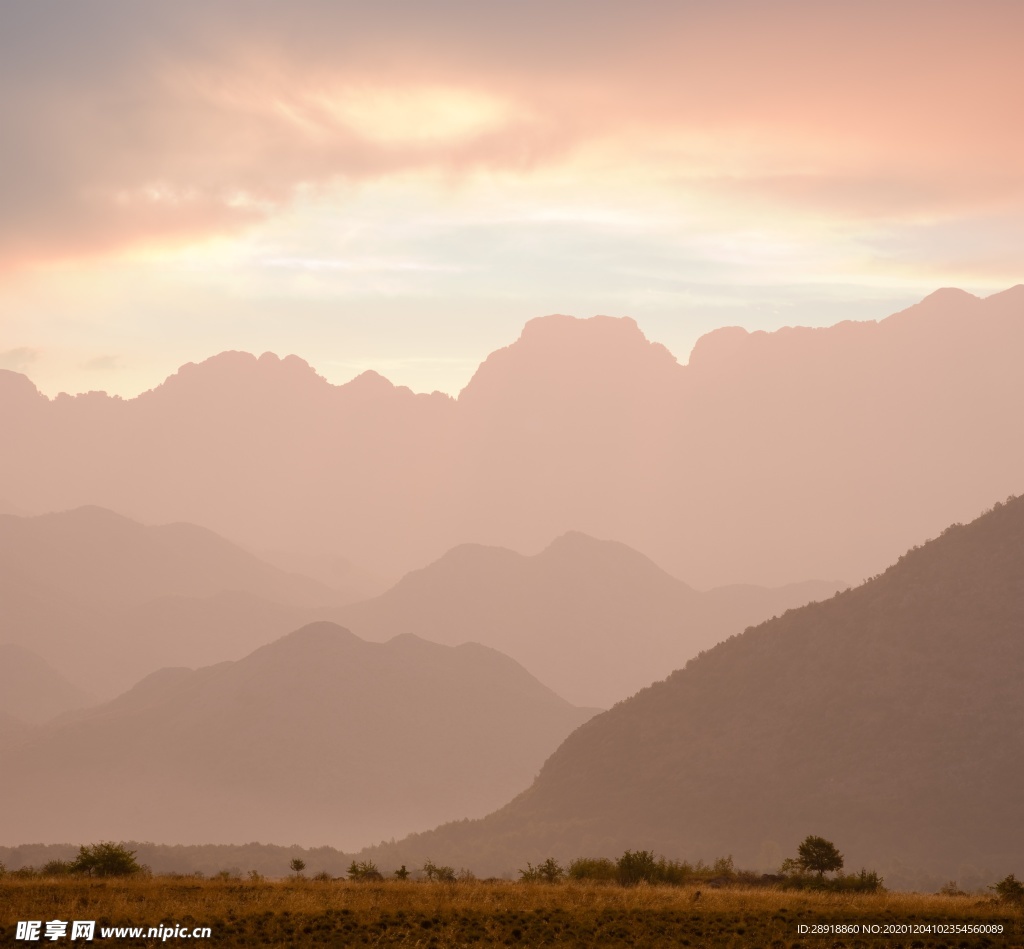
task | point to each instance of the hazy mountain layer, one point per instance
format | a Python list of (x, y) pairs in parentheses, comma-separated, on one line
[(318, 738), (768, 458), (13, 731), (106, 600), (595, 620), (889, 719), (32, 690)]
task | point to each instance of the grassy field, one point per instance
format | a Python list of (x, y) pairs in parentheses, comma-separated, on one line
[(445, 916)]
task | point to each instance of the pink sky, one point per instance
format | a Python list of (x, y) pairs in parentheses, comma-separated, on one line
[(402, 186)]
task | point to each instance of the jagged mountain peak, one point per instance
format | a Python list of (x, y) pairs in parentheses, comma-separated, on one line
[(557, 353)]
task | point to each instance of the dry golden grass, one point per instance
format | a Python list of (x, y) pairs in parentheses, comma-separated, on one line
[(307, 912)]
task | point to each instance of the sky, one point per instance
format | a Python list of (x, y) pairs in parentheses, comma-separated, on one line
[(400, 186)]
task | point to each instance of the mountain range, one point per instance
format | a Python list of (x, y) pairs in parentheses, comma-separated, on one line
[(888, 719), (593, 619), (106, 600), (32, 690), (318, 737), (768, 458)]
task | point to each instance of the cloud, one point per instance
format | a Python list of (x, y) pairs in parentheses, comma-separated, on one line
[(131, 124), (18, 359), (109, 363)]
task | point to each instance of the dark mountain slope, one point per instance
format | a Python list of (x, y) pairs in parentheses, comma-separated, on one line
[(317, 738), (889, 719)]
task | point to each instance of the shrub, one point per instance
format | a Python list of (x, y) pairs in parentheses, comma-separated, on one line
[(951, 888), (438, 874), (593, 868), (637, 867), (724, 867), (550, 871), (401, 873), (57, 868), (1009, 889), (866, 881), (363, 872)]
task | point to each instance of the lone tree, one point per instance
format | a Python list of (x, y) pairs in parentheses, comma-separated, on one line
[(818, 855), (106, 859), (297, 866)]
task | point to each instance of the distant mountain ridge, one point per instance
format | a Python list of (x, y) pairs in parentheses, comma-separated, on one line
[(318, 737), (593, 619), (107, 600), (769, 458), (32, 690), (889, 719)]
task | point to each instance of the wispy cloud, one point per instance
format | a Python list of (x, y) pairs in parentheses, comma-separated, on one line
[(139, 124), (357, 265), (109, 363), (18, 359)]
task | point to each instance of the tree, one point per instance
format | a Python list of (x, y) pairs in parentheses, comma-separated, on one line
[(106, 859), (818, 855), (297, 866), (401, 873)]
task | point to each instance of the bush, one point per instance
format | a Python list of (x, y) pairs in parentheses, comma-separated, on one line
[(866, 881), (638, 867), (439, 874), (57, 868), (600, 869), (550, 871), (401, 873), (106, 859), (364, 872), (1009, 889)]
